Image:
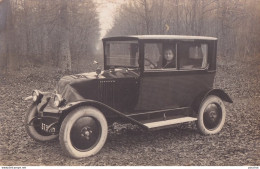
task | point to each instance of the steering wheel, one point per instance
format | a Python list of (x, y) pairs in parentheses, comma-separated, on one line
[(150, 63)]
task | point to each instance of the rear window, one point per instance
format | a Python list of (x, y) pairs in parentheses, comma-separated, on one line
[(193, 55)]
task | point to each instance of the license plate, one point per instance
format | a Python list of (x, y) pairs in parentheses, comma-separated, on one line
[(45, 127)]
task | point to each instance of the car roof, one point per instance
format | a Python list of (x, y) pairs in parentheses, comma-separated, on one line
[(160, 37)]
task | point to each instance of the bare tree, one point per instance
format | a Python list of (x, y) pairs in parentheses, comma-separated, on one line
[(219, 18), (8, 57), (64, 54), (60, 33)]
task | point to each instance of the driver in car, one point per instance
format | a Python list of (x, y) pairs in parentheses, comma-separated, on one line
[(169, 59)]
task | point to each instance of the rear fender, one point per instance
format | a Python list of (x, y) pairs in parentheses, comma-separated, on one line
[(221, 94), (217, 92)]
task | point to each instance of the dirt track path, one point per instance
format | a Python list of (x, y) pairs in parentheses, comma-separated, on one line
[(237, 144)]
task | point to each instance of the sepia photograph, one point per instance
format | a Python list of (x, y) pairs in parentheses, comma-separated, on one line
[(129, 83)]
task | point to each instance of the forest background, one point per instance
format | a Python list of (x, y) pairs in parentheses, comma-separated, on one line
[(65, 34)]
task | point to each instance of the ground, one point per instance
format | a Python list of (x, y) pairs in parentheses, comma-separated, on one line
[(237, 144)]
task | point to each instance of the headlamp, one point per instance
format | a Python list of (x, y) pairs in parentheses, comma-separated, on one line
[(36, 95), (58, 100)]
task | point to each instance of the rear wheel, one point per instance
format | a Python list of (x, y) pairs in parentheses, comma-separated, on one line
[(211, 117), (83, 132), (34, 129)]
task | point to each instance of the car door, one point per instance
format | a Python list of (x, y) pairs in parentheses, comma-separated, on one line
[(175, 87)]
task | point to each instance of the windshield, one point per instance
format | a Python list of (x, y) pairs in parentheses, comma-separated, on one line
[(122, 54)]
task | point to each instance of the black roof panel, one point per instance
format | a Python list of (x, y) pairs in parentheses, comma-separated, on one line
[(158, 37)]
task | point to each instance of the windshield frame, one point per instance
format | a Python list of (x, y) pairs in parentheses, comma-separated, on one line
[(129, 41)]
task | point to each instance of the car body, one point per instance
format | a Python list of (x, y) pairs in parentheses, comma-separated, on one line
[(138, 86)]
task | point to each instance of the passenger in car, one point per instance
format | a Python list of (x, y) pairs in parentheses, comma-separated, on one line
[(169, 59)]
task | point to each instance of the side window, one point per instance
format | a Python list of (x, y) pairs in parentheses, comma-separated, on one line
[(193, 55), (152, 54), (159, 56)]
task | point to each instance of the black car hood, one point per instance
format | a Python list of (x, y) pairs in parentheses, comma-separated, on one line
[(85, 86)]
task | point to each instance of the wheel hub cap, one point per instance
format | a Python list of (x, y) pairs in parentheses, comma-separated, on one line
[(85, 133), (212, 116)]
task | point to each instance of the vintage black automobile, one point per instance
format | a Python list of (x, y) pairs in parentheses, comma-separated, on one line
[(154, 81)]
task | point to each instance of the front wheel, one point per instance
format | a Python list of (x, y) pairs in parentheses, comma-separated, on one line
[(34, 130), (211, 117), (83, 132)]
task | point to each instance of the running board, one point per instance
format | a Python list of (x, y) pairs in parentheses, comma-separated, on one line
[(169, 122)]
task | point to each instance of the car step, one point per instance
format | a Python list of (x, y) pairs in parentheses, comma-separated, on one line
[(169, 122)]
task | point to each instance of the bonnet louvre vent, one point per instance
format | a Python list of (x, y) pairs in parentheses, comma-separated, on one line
[(106, 92)]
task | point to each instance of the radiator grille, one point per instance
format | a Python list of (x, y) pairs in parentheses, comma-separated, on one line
[(106, 92)]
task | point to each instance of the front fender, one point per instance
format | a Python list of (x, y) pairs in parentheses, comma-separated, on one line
[(202, 96), (105, 109)]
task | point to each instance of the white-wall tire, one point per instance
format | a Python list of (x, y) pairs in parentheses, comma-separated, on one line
[(83, 132), (211, 116), (35, 132)]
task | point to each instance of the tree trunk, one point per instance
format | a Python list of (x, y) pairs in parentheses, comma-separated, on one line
[(147, 17), (8, 57), (64, 55), (177, 18), (3, 53)]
